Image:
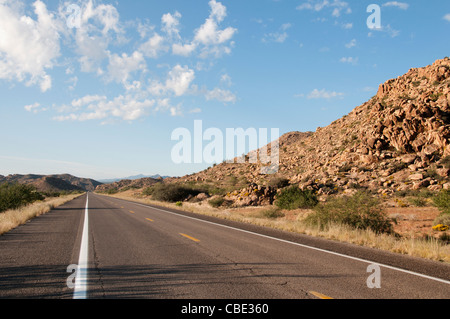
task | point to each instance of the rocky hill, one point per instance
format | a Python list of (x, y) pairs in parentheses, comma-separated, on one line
[(53, 183), (127, 184), (397, 141)]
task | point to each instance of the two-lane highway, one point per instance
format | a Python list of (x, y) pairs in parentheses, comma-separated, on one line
[(138, 251)]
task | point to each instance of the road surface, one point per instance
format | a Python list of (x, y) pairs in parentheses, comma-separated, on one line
[(122, 249)]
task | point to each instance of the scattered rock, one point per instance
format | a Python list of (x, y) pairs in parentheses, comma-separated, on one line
[(416, 177), (404, 129)]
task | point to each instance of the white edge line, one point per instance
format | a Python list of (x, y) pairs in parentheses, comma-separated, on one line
[(80, 291), (304, 246)]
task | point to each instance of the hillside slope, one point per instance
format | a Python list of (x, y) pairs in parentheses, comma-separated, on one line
[(398, 140), (53, 183)]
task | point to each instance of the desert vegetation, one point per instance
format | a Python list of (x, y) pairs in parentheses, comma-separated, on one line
[(12, 218), (360, 219), (293, 197), (442, 222), (21, 202), (360, 211), (13, 196)]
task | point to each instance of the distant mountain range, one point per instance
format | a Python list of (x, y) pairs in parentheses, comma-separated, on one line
[(132, 178), (53, 183)]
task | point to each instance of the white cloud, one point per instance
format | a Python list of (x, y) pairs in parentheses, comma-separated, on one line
[(73, 81), (195, 111), (171, 23), (351, 44), (323, 94), (175, 111), (183, 49), (105, 15), (154, 46), (179, 79), (32, 108), (280, 36), (386, 29), (97, 45), (218, 10), (120, 67), (447, 17), (125, 107), (87, 100), (337, 6), (226, 80), (347, 26), (275, 37), (400, 5), (99, 26), (28, 48), (163, 105), (350, 60), (210, 36), (221, 95)]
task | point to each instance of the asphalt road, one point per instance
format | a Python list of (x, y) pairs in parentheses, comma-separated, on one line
[(136, 251)]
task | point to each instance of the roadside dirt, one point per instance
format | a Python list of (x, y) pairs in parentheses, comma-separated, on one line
[(414, 222)]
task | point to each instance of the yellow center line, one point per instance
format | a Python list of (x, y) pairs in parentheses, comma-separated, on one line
[(150, 220), (189, 237), (131, 212), (319, 295)]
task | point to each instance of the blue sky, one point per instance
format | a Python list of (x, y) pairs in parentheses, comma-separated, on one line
[(96, 88)]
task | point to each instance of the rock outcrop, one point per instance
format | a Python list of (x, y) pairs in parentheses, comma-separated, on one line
[(398, 140), (128, 184)]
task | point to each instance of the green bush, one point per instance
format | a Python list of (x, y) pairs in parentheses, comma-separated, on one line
[(443, 219), (293, 197), (112, 191), (13, 196), (148, 191), (418, 201), (216, 202), (442, 201), (360, 211), (172, 192)]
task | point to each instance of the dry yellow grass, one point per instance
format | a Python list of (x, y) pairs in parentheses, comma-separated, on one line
[(428, 249), (11, 219)]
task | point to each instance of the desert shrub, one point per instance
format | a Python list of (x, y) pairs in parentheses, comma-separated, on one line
[(272, 213), (216, 202), (148, 191), (442, 201), (360, 211), (112, 191), (446, 162), (13, 196), (443, 219), (179, 204), (278, 182), (172, 192), (445, 238), (293, 197), (418, 201)]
